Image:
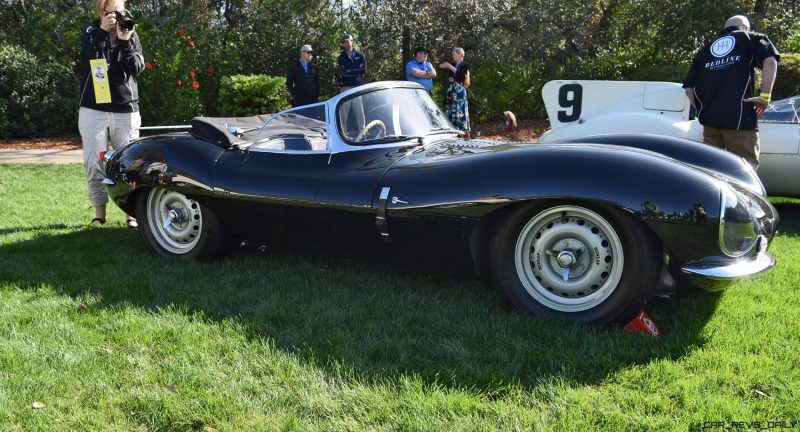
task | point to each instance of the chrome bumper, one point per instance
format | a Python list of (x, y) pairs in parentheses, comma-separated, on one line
[(716, 275)]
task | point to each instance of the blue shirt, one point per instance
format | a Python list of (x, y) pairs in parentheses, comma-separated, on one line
[(425, 66), (305, 65)]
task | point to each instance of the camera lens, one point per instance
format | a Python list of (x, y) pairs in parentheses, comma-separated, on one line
[(125, 22)]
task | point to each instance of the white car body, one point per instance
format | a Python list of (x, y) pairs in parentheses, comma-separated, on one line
[(584, 108)]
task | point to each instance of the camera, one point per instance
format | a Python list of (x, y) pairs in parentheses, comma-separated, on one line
[(124, 20)]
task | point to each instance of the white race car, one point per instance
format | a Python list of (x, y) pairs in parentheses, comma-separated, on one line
[(583, 108)]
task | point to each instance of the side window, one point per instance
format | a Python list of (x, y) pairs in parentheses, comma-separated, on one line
[(301, 129)]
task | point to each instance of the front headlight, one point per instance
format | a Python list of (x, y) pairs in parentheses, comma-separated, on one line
[(738, 226)]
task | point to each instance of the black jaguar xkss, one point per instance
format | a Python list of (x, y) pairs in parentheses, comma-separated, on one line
[(584, 230)]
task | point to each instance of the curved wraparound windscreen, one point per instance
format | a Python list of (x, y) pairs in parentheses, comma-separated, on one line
[(383, 115)]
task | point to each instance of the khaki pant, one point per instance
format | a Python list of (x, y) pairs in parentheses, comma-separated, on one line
[(743, 143), (96, 128)]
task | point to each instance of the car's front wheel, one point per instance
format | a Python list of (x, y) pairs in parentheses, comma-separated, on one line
[(176, 226), (572, 262)]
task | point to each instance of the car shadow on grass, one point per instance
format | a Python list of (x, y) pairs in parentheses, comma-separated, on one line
[(366, 318), (789, 212)]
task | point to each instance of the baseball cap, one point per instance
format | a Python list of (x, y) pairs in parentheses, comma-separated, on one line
[(306, 48), (346, 38), (420, 49)]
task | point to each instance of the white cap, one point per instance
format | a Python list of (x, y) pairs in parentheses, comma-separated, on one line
[(306, 48)]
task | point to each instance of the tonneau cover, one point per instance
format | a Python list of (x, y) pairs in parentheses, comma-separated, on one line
[(226, 131)]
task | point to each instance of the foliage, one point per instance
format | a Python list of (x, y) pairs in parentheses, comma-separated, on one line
[(37, 99), (246, 95), (793, 43), (497, 88), (565, 39), (175, 78), (672, 73), (788, 81)]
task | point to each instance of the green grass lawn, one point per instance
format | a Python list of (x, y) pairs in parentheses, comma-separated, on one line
[(109, 337)]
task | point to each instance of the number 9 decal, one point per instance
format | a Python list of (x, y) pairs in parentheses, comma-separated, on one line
[(570, 96)]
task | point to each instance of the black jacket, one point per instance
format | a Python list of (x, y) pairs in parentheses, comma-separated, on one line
[(352, 70), (304, 87), (125, 63)]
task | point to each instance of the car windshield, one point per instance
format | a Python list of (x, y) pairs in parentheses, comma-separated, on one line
[(389, 115), (301, 129), (783, 111)]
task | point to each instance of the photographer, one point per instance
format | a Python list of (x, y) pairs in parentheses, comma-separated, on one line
[(111, 58)]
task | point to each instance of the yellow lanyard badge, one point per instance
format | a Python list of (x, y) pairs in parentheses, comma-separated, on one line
[(99, 72)]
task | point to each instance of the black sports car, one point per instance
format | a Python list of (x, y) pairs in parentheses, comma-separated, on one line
[(586, 230)]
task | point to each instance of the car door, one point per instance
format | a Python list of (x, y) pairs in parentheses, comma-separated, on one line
[(275, 180)]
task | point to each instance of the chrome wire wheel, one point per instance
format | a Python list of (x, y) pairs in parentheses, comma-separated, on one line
[(569, 258), (175, 220)]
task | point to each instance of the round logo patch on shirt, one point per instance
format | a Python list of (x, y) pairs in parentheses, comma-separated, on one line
[(723, 46)]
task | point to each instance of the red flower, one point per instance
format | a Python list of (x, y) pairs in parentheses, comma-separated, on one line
[(179, 83), (181, 32), (148, 66), (191, 74), (195, 85), (191, 43), (211, 70)]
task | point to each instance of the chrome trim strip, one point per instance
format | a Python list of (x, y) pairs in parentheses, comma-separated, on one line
[(258, 150), (734, 269), (163, 127), (723, 206)]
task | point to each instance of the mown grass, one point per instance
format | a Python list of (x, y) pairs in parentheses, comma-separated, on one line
[(110, 337)]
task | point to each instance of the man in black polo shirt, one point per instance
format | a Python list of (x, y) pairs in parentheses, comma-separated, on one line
[(720, 86)]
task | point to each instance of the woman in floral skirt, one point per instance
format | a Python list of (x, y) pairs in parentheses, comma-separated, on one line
[(456, 101)]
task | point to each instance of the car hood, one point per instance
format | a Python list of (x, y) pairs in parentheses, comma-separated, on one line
[(720, 164)]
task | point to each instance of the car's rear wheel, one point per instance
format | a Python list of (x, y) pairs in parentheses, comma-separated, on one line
[(572, 262), (174, 225)]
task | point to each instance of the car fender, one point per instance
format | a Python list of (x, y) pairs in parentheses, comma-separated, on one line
[(715, 161), (659, 191), (176, 161)]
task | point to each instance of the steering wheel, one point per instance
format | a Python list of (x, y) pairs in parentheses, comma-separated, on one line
[(369, 126)]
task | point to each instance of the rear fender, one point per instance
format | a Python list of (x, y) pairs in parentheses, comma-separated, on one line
[(182, 164)]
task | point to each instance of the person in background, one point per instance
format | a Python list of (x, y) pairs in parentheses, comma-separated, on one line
[(352, 65), (303, 79), (111, 59), (721, 85), (456, 100), (420, 70)]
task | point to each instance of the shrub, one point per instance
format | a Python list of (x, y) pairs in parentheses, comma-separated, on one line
[(37, 98), (497, 88), (787, 82), (671, 73), (246, 95), (172, 86)]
